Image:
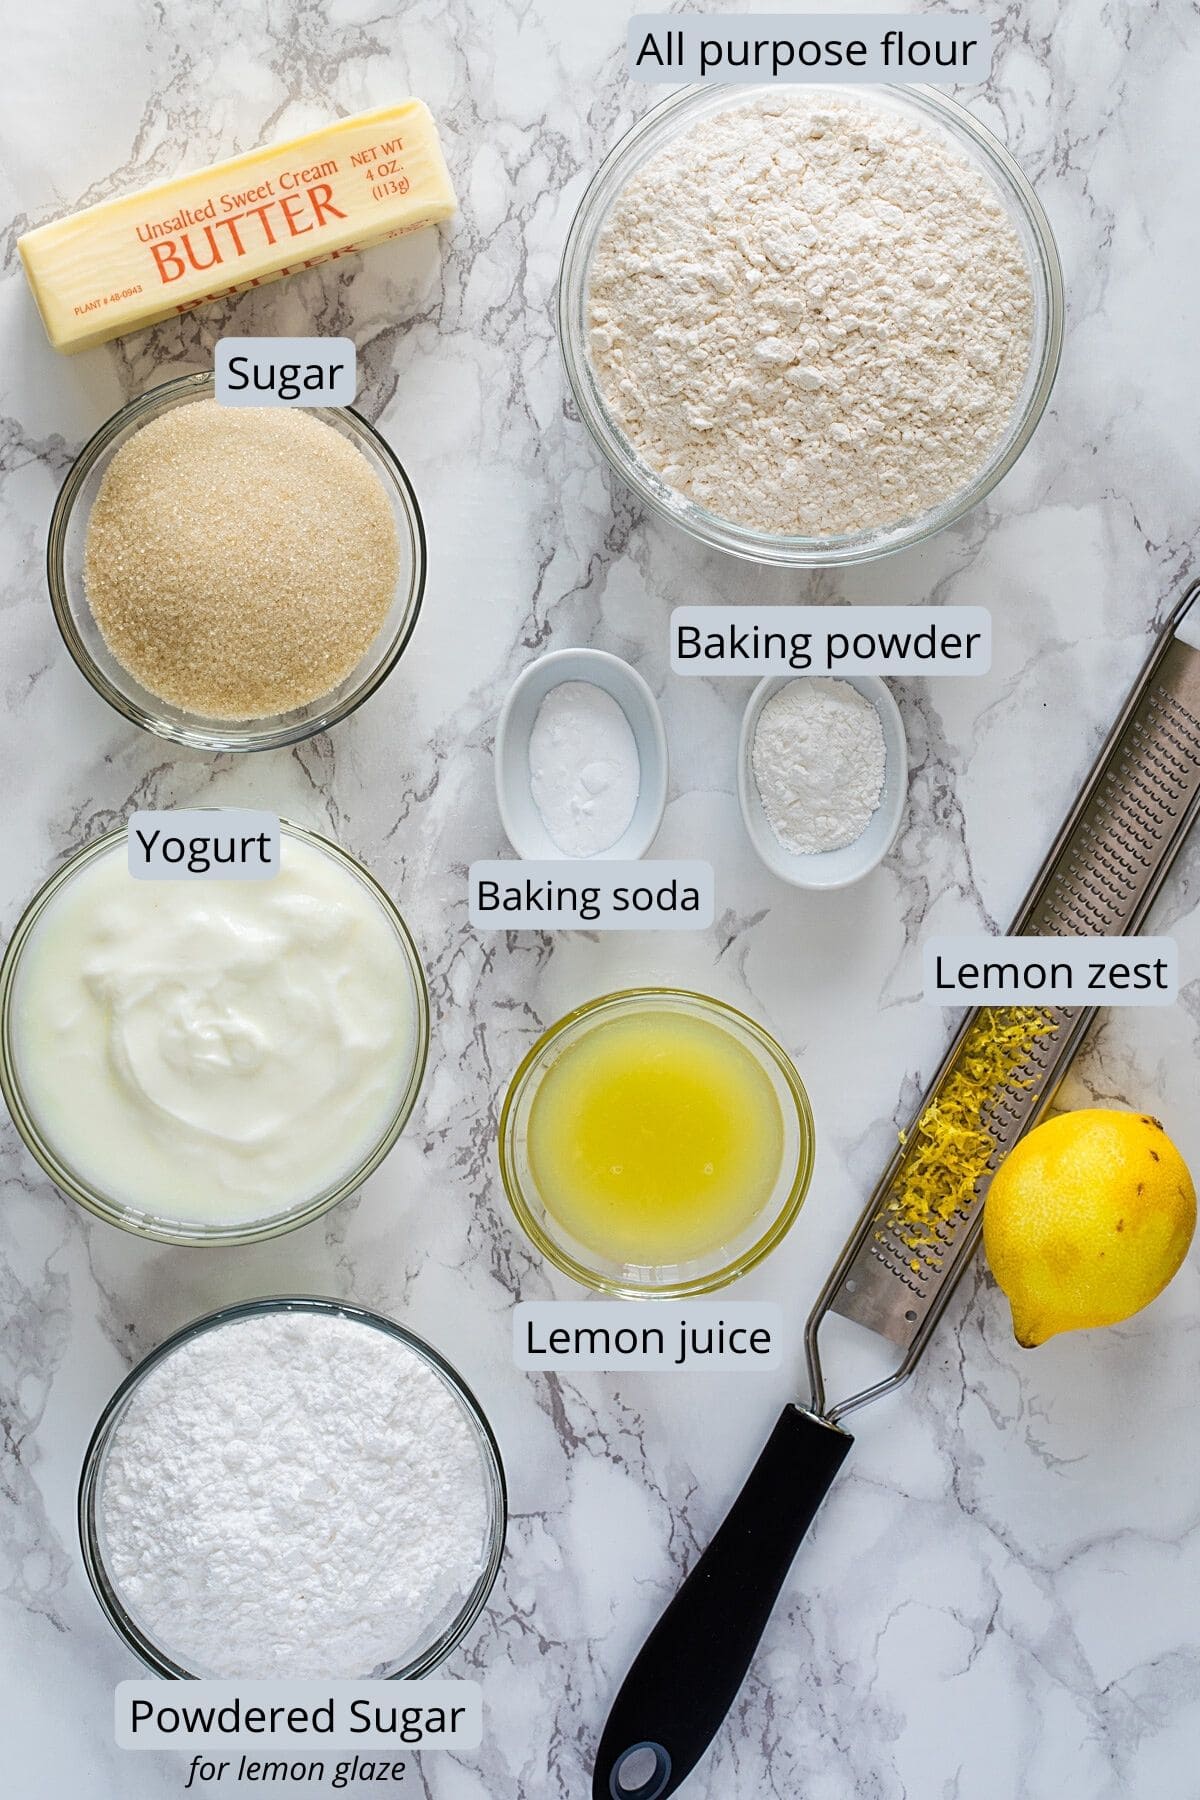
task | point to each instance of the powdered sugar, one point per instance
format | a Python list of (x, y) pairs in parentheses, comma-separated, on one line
[(293, 1494), (819, 762), (811, 314)]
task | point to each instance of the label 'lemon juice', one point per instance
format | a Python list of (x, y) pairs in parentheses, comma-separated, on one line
[(655, 1138)]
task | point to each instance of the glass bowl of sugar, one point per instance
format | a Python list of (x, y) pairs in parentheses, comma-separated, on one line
[(235, 578), (810, 326)]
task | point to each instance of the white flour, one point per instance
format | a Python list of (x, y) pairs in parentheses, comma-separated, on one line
[(819, 762), (812, 315), (293, 1494), (584, 770)]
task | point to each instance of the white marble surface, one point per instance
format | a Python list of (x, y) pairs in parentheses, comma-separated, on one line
[(999, 1600)]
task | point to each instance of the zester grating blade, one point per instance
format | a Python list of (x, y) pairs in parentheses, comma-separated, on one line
[(1099, 880)]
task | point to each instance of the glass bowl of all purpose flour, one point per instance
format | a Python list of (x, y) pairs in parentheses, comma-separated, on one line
[(810, 325), (293, 1487), (212, 1062), (235, 578)]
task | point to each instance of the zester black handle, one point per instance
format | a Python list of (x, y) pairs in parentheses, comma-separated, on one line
[(688, 1672)]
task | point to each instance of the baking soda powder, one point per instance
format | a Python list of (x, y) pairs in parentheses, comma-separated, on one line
[(584, 770)]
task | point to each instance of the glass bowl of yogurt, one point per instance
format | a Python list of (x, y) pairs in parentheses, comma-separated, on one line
[(216, 1061)]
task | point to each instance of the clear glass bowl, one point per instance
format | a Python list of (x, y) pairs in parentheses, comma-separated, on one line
[(411, 1660), (661, 126), (82, 635), (162, 1228), (665, 1281)]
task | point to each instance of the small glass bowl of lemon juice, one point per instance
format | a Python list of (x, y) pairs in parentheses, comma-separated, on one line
[(656, 1142)]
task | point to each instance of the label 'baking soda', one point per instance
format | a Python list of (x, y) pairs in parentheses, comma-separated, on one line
[(593, 895)]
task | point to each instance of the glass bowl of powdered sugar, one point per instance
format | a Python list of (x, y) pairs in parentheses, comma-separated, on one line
[(810, 325), (292, 1488)]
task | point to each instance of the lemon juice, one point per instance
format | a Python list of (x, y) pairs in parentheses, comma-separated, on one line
[(655, 1138)]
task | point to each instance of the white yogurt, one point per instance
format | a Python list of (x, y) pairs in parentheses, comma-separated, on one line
[(214, 1051)]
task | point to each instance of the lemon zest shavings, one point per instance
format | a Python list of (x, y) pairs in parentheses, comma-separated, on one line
[(951, 1145)]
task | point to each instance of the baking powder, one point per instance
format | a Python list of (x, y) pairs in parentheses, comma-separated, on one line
[(293, 1494), (811, 314), (819, 762), (584, 770)]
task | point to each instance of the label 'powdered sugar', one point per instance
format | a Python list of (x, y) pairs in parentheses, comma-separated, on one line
[(293, 1494), (811, 314)]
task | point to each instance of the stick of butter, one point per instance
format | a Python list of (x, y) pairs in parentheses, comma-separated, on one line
[(123, 264)]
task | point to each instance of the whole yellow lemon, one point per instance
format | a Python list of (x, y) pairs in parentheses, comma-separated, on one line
[(1086, 1220)]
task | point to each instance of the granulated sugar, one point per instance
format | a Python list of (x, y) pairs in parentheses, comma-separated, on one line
[(293, 1494), (240, 561), (812, 315)]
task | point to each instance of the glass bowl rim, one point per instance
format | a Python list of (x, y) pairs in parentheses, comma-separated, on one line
[(102, 1206), (680, 1289), (219, 735), (709, 528), (155, 1658)]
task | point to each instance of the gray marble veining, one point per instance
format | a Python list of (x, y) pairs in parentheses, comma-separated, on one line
[(998, 1601)]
